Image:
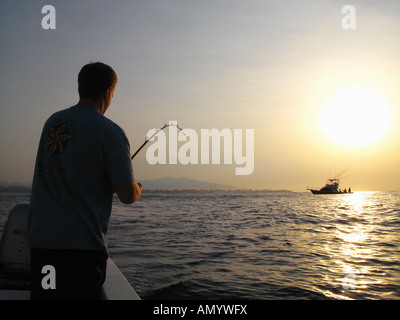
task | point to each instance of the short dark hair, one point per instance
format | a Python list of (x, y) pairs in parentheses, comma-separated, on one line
[(95, 78)]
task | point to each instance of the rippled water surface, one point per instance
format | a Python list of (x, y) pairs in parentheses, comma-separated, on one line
[(255, 245), (260, 245)]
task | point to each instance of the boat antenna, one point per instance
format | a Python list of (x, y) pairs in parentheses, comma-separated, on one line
[(148, 139), (341, 173)]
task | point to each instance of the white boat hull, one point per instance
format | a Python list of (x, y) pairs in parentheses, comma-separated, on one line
[(15, 257)]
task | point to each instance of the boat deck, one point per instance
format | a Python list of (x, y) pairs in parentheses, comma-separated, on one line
[(116, 287), (15, 254)]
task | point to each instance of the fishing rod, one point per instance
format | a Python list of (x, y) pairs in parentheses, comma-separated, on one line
[(148, 139)]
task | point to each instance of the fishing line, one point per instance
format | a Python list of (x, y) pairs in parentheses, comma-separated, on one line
[(148, 139)]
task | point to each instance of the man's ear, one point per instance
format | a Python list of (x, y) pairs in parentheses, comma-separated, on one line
[(110, 92), (107, 93)]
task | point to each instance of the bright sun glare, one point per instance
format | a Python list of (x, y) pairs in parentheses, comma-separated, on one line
[(355, 116)]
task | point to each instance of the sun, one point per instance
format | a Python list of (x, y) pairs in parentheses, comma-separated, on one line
[(355, 116)]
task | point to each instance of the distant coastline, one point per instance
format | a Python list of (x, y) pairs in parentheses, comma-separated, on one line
[(161, 185), (21, 189), (149, 191), (15, 189)]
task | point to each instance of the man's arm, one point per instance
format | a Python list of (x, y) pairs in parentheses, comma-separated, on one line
[(130, 193)]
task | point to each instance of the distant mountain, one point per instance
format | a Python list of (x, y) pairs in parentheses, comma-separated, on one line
[(12, 187), (13, 184), (182, 184), (157, 184)]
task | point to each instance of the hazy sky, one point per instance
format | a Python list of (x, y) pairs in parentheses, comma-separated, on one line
[(236, 64)]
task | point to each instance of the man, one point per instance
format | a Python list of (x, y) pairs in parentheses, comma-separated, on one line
[(83, 157)]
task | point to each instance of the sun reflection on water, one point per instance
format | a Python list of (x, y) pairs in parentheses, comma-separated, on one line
[(353, 247)]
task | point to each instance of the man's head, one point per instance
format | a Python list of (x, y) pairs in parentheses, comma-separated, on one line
[(97, 81)]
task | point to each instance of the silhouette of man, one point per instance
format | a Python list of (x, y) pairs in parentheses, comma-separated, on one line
[(82, 158)]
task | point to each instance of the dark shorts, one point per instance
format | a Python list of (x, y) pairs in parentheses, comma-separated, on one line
[(73, 274)]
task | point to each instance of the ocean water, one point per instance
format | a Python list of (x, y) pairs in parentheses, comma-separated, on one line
[(256, 245)]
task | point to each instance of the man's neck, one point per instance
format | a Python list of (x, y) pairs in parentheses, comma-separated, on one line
[(95, 104)]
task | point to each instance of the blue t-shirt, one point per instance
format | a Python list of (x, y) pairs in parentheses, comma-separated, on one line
[(82, 156)]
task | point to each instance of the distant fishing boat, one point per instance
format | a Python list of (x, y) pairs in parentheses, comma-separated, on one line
[(332, 186)]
